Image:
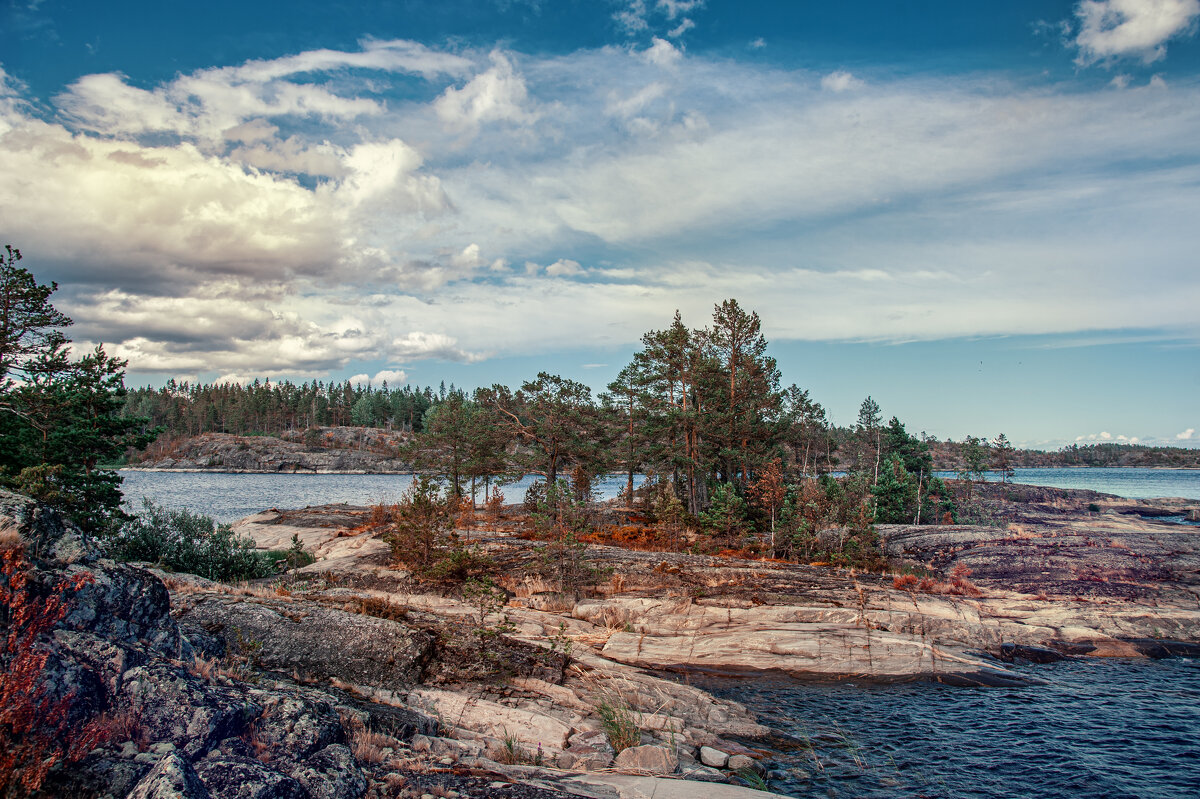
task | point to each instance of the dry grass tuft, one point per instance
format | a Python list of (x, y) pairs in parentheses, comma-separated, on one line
[(10, 539), (368, 746), (205, 668)]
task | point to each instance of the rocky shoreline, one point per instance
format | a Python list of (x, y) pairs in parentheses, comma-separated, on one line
[(349, 677), (335, 450)]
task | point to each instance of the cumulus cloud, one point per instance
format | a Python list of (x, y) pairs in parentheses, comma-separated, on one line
[(1112, 29), (662, 53), (495, 95), (1105, 437), (393, 377), (564, 267), (1186, 435), (840, 81)]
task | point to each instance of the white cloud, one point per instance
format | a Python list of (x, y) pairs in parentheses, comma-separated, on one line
[(1111, 29), (683, 27), (944, 207), (632, 16), (626, 107), (1186, 435), (677, 8), (393, 377), (1157, 82), (758, 43), (840, 81), (564, 267), (496, 95), (662, 53)]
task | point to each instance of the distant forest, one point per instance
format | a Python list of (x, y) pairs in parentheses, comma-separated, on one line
[(702, 395)]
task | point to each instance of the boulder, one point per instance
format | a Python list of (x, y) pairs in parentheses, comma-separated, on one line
[(315, 640), (713, 757), (648, 759), (331, 773), (171, 705), (231, 776), (744, 763), (172, 778), (294, 725)]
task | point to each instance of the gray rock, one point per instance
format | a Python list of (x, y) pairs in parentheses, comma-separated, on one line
[(586, 758), (238, 777), (316, 640), (172, 778), (331, 773), (702, 774), (295, 726), (744, 763), (173, 706), (651, 759), (713, 757)]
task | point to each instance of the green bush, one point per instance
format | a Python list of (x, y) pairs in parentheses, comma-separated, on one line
[(183, 541)]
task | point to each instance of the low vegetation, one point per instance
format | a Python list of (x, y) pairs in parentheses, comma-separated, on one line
[(180, 540)]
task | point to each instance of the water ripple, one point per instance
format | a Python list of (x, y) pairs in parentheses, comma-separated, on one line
[(1114, 728)]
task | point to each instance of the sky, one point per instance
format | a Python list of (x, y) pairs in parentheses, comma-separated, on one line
[(983, 215)]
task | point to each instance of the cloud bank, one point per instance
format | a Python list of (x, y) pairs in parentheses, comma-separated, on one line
[(397, 202)]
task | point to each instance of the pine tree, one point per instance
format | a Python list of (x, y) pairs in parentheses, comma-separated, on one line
[(1002, 458)]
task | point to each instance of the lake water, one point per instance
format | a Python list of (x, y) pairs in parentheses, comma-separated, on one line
[(1114, 728), (1118, 729), (229, 497), (1132, 483)]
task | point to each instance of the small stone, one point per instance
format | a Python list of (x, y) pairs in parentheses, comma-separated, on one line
[(743, 762), (652, 759), (713, 757)]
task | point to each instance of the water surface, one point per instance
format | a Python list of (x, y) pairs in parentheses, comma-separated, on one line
[(1101, 728)]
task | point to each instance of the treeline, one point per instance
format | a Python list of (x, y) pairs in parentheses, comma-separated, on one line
[(263, 407), (950, 456), (728, 452)]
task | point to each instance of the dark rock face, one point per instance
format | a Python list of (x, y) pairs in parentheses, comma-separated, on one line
[(170, 732), (318, 641), (172, 778), (231, 776)]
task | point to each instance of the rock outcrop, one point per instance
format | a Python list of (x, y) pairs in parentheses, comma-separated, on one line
[(215, 693), (337, 450)]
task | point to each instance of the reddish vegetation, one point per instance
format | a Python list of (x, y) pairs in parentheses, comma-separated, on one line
[(958, 584), (37, 730), (637, 537)]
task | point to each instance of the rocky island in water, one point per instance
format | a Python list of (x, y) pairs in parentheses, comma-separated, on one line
[(350, 677)]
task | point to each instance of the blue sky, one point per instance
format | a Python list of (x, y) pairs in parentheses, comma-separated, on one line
[(983, 215)]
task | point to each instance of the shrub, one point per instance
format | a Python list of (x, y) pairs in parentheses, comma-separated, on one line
[(39, 720), (294, 557), (725, 519), (183, 541), (420, 526)]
